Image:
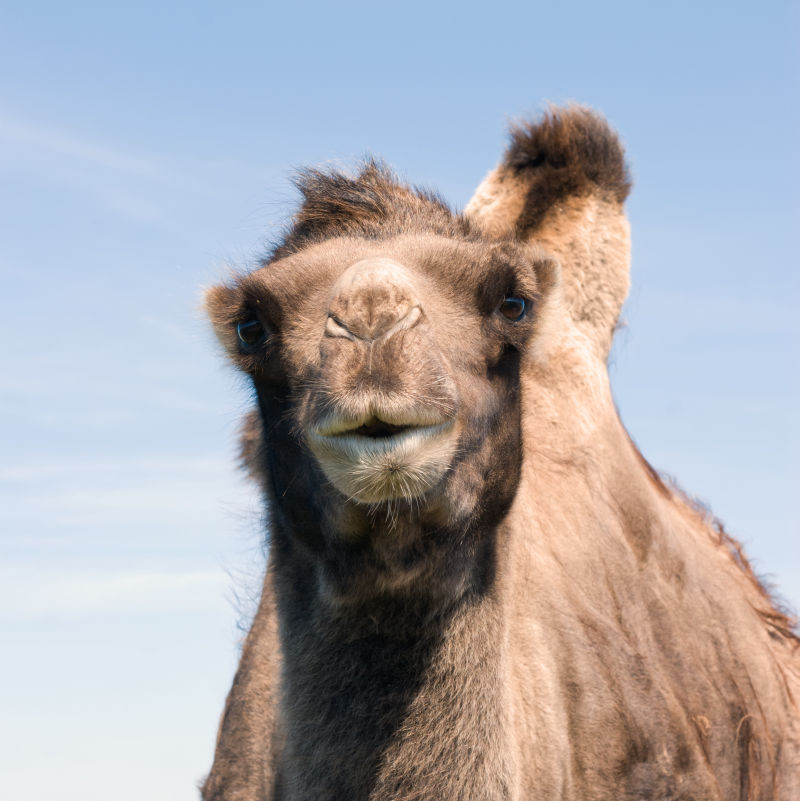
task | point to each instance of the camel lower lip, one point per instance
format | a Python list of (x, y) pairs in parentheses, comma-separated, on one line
[(374, 469)]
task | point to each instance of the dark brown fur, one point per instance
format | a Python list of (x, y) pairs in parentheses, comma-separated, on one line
[(548, 619), (371, 204), (566, 155)]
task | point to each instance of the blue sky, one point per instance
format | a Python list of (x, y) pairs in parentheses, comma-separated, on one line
[(145, 148)]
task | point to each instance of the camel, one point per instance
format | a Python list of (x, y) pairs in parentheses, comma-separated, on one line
[(477, 587)]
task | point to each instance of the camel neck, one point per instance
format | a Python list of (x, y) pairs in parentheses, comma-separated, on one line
[(395, 693)]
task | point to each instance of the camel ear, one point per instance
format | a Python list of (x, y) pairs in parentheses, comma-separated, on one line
[(223, 305), (562, 183)]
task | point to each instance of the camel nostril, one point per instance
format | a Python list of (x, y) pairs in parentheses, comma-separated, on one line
[(373, 299), (380, 329)]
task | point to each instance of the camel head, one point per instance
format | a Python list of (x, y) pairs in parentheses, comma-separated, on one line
[(385, 336), (388, 363)]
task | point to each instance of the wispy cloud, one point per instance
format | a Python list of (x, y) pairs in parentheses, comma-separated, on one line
[(40, 145), (27, 593), (129, 185), (203, 465), (30, 137), (141, 508)]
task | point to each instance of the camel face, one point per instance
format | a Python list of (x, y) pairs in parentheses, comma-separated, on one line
[(397, 363)]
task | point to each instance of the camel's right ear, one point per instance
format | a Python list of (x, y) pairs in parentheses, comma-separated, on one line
[(562, 183), (223, 306)]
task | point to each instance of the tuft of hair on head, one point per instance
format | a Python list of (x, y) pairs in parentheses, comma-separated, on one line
[(567, 152), (372, 203)]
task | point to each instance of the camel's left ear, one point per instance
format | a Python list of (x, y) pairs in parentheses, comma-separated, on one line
[(562, 183)]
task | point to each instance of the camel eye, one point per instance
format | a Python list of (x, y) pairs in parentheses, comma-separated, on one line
[(513, 309), (252, 335)]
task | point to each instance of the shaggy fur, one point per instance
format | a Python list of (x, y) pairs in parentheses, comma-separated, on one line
[(369, 205), (566, 155), (536, 615)]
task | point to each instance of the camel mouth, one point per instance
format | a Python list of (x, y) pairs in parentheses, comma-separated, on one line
[(379, 424), (374, 459), (374, 436), (375, 428)]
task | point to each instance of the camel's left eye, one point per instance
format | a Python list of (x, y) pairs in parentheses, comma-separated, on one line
[(252, 335), (513, 309)]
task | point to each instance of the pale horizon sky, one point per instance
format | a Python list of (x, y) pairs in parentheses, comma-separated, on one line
[(144, 149)]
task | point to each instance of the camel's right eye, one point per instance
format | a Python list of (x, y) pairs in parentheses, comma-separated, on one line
[(252, 335), (513, 309)]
